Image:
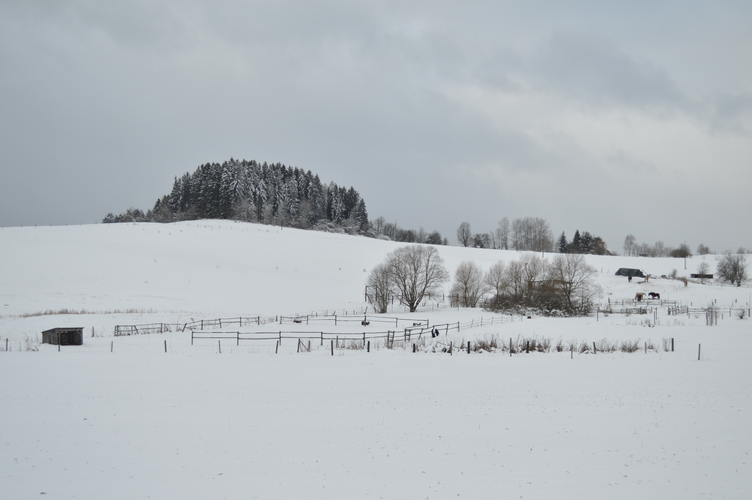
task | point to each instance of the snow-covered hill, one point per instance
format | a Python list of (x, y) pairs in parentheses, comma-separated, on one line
[(140, 422)]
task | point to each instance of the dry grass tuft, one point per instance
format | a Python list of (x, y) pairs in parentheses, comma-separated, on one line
[(50, 312)]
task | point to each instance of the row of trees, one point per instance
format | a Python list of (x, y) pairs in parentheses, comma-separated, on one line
[(530, 234), (527, 233), (659, 249), (387, 230), (252, 192), (413, 273)]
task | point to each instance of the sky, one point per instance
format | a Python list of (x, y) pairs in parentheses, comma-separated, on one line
[(615, 118)]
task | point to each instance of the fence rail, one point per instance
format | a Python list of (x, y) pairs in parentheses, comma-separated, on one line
[(363, 319), (405, 335), (223, 322), (126, 330)]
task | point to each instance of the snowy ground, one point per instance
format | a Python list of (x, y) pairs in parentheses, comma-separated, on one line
[(137, 422)]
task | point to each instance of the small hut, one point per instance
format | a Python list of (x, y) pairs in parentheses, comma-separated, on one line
[(63, 336)]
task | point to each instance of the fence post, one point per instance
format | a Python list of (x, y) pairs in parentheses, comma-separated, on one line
[(322, 338), (165, 346), (698, 351), (595, 351), (413, 347), (332, 347), (276, 348), (468, 347), (219, 343), (368, 349), (672, 344)]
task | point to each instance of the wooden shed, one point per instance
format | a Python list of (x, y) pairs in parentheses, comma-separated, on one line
[(63, 336)]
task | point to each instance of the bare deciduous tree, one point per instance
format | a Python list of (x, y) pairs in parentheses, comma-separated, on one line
[(702, 269), (416, 272), (733, 267), (532, 233), (534, 269), (502, 234), (515, 279), (496, 278), (575, 280), (379, 284), (629, 244), (468, 287), (464, 235)]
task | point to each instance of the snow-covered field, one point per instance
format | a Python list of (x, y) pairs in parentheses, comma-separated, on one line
[(121, 418)]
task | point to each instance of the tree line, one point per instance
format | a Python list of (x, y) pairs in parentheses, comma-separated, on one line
[(412, 274), (660, 249), (256, 192), (530, 234)]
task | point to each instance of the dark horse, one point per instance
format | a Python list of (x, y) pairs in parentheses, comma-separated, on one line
[(654, 295)]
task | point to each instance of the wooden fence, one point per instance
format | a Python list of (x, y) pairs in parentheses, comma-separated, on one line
[(223, 322), (125, 330), (364, 319), (390, 336)]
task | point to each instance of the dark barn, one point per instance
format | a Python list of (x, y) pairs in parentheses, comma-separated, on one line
[(625, 271), (63, 336)]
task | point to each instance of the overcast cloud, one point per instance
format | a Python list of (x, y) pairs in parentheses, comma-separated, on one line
[(632, 117)]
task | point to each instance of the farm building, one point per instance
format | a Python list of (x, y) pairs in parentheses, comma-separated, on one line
[(63, 336), (626, 271)]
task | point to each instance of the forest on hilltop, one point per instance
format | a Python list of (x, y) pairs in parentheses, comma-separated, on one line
[(257, 192)]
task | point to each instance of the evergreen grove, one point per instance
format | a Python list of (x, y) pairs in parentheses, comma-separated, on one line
[(252, 192)]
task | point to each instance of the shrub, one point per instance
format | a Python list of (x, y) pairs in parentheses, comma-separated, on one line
[(630, 345)]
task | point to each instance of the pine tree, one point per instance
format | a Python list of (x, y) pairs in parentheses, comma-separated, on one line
[(577, 242), (563, 243), (586, 244)]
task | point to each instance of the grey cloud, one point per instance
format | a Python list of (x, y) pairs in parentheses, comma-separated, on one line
[(594, 71), (730, 113), (107, 101)]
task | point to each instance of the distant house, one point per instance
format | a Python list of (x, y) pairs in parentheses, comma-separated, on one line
[(63, 336), (626, 271)]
